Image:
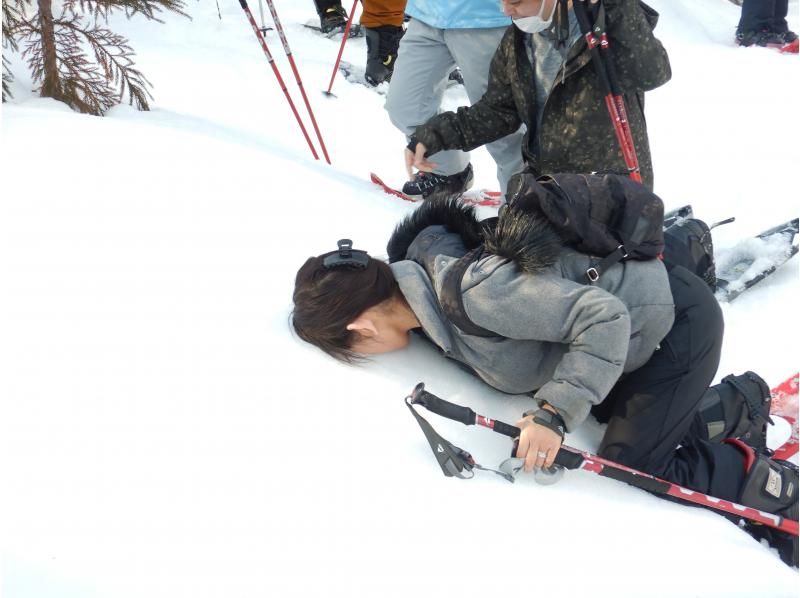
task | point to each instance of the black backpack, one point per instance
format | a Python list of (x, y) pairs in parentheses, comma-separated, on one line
[(609, 216), (687, 243)]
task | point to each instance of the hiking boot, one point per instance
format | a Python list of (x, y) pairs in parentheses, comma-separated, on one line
[(737, 407), (764, 38), (382, 45), (789, 37), (427, 183), (770, 485), (333, 18)]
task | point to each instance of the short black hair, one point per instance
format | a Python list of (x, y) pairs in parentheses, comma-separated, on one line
[(327, 300)]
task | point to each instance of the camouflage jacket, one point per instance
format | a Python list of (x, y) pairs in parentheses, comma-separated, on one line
[(576, 133)]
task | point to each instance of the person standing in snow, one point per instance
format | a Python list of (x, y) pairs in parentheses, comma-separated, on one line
[(637, 348), (441, 35), (541, 77), (763, 23), (382, 21)]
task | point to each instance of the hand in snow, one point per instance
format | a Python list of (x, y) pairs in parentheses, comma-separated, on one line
[(538, 445), (417, 159)]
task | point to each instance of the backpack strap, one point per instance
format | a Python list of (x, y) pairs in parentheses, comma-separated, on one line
[(634, 239), (452, 300), (595, 271)]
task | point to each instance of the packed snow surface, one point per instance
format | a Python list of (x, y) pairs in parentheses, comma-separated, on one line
[(164, 434)]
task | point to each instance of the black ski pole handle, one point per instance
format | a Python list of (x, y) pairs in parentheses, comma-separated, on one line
[(459, 413)]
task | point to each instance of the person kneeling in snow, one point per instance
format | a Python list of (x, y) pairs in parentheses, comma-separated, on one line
[(637, 348)]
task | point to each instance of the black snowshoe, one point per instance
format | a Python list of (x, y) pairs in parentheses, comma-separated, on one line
[(752, 260), (771, 485), (735, 269)]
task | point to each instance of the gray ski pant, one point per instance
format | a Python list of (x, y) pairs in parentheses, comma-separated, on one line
[(425, 59)]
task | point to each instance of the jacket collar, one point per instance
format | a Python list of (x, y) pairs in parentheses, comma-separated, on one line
[(418, 290)]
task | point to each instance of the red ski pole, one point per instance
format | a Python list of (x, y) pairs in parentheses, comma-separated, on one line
[(613, 82), (288, 51), (613, 97), (341, 47), (571, 458), (271, 60)]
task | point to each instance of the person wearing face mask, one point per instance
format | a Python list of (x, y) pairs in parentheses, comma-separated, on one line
[(541, 77)]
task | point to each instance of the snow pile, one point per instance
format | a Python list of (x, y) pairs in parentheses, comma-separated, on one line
[(164, 434)]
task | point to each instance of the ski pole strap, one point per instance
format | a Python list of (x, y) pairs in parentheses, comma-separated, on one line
[(454, 461), (548, 419)]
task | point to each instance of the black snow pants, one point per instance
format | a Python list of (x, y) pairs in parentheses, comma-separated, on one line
[(758, 15), (650, 410)]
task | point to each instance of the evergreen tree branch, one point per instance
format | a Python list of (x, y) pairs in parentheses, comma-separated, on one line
[(8, 78), (57, 51), (81, 85), (114, 56), (150, 9), (12, 21)]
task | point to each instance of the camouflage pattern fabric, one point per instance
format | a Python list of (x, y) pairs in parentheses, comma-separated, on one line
[(576, 134)]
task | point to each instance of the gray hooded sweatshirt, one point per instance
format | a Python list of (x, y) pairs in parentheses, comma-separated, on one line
[(567, 341)]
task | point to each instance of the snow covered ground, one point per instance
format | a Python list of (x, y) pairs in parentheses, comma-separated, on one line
[(163, 433)]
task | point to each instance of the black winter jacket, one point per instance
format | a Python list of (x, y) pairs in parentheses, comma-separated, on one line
[(576, 133)]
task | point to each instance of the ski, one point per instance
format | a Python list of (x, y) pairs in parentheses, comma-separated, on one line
[(481, 197), (785, 404), (752, 260)]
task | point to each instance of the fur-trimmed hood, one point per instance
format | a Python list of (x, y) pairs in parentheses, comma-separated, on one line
[(440, 209), (524, 237)]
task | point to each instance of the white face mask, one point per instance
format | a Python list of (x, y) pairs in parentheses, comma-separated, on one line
[(536, 23)]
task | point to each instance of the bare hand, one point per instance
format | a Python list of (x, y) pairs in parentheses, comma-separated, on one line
[(417, 160), (538, 445)]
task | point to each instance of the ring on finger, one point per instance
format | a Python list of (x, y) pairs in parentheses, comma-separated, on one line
[(541, 454)]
